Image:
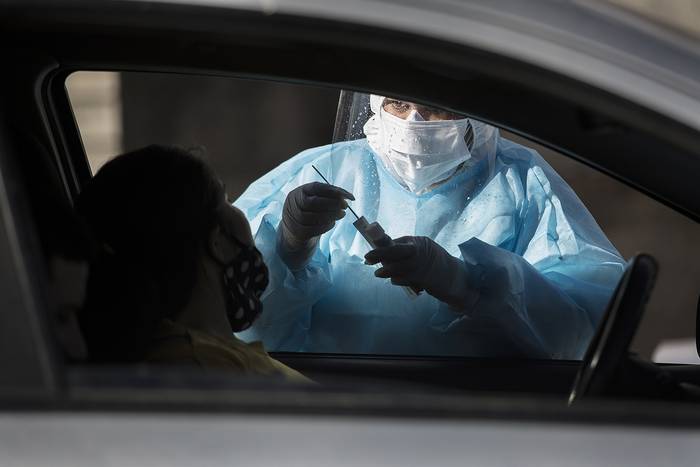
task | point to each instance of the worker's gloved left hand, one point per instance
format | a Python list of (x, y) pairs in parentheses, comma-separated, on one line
[(421, 263)]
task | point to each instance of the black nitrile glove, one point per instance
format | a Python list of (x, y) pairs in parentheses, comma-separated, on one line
[(309, 211), (421, 263)]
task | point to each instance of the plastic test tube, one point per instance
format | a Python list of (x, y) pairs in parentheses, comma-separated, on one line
[(376, 237)]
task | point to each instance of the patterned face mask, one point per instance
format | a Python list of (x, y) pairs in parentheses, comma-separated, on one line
[(245, 280)]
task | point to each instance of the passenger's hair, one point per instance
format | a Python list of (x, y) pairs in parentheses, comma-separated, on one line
[(152, 210)]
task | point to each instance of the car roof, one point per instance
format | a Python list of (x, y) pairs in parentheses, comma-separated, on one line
[(595, 42), (595, 82)]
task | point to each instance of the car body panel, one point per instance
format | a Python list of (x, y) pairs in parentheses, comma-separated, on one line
[(642, 74), (603, 100), (65, 439), (591, 41)]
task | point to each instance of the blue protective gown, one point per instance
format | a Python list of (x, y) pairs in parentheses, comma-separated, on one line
[(543, 268)]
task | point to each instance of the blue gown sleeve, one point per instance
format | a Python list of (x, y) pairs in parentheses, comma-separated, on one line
[(287, 302), (548, 294)]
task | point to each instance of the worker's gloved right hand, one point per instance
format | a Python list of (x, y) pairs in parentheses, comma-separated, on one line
[(309, 211), (419, 262)]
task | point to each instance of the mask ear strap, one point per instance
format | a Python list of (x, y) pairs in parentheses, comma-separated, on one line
[(235, 239), (240, 243), (215, 248)]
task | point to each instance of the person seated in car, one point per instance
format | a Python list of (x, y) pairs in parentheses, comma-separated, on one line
[(178, 272)]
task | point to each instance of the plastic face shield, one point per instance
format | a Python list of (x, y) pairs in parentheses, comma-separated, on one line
[(352, 114)]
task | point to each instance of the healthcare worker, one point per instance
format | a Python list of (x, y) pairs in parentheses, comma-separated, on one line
[(509, 261)]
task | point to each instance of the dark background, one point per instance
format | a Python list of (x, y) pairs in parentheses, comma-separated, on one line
[(249, 127)]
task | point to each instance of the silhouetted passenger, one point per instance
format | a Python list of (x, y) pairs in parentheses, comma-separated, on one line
[(179, 271)]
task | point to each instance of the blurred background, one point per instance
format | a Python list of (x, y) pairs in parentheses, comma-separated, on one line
[(249, 127)]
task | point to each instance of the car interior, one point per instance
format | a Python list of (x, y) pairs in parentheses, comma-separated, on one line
[(43, 165)]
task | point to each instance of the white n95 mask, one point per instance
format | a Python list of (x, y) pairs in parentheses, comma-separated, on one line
[(416, 152)]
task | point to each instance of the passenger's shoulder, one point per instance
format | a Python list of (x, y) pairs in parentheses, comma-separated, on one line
[(171, 344)]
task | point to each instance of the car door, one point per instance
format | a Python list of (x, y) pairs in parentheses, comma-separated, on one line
[(230, 42), (78, 414)]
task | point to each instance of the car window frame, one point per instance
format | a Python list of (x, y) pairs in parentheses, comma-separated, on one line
[(29, 369), (69, 146), (80, 164)]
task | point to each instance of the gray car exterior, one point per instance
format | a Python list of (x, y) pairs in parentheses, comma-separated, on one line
[(46, 421)]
